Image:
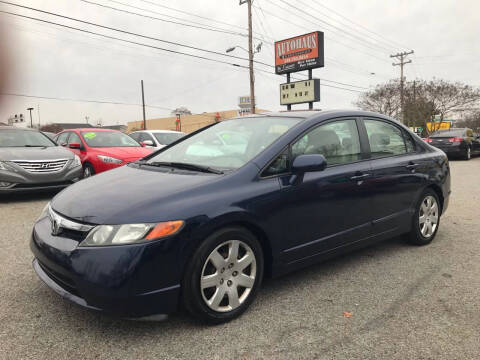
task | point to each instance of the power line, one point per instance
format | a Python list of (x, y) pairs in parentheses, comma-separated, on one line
[(340, 30), (309, 29), (129, 32), (359, 25), (143, 36)]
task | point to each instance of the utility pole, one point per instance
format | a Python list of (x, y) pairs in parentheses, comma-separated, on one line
[(250, 54), (31, 121), (143, 106), (402, 56)]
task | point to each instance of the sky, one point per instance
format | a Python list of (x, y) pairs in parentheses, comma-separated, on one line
[(45, 60)]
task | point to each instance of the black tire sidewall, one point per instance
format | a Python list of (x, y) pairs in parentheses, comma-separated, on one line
[(92, 172), (191, 291), (416, 236)]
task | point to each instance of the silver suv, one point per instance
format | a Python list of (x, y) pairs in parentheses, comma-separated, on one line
[(29, 160)]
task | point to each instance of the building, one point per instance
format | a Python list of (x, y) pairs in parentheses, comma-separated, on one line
[(189, 123), (121, 128), (69, 126)]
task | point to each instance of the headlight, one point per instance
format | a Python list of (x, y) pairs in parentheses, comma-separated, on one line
[(45, 211), (110, 160), (75, 162), (104, 235)]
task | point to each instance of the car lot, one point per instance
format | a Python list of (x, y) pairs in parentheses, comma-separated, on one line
[(406, 302)]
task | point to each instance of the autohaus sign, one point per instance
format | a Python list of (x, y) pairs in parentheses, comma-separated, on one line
[(299, 53)]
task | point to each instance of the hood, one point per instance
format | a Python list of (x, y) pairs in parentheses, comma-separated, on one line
[(34, 153), (124, 153), (128, 194)]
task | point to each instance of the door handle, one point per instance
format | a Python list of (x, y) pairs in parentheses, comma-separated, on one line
[(411, 166), (360, 177)]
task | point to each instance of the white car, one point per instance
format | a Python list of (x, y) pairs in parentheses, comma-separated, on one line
[(156, 138)]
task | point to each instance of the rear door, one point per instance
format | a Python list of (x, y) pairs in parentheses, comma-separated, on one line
[(399, 168)]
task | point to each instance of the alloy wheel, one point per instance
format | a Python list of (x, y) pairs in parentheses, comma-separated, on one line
[(469, 153), (228, 276), (428, 216), (87, 172)]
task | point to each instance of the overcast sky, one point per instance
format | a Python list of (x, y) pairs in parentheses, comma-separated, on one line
[(50, 61)]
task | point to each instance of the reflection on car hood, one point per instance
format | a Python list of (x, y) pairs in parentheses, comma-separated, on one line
[(34, 153), (128, 195), (124, 153)]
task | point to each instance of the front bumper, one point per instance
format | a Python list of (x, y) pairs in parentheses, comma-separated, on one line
[(131, 281), (22, 181)]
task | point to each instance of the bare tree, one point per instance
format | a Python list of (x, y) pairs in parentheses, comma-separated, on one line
[(182, 110), (53, 128), (384, 99), (472, 121)]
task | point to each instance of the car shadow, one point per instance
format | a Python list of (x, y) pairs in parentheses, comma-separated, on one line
[(28, 196)]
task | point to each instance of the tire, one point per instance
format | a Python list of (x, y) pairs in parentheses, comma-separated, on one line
[(216, 304), (419, 235), (468, 154), (88, 170)]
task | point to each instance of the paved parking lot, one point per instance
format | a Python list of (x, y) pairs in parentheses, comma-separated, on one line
[(407, 302)]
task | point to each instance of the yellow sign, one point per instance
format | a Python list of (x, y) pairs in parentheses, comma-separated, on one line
[(435, 126)]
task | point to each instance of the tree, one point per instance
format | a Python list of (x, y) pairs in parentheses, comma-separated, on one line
[(53, 128), (472, 121), (182, 110), (384, 99)]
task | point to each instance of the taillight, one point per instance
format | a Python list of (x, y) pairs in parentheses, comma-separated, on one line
[(428, 140), (455, 139)]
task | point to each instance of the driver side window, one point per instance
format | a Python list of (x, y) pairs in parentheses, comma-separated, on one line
[(338, 141)]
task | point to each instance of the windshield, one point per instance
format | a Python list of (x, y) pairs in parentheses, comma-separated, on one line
[(108, 139), (24, 138), (168, 138), (229, 144), (448, 133)]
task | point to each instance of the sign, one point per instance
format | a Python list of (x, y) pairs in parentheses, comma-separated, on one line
[(299, 53), (244, 102), (300, 92), (435, 126)]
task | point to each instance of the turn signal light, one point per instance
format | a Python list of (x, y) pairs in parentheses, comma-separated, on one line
[(165, 229), (455, 139)]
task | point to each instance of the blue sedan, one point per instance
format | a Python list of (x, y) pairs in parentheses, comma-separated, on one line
[(201, 221)]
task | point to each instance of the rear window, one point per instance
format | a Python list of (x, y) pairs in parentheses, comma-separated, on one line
[(449, 133)]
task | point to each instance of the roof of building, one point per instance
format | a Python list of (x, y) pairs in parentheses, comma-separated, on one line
[(115, 127), (92, 129)]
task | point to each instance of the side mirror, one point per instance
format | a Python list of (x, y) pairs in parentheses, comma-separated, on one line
[(147, 143), (309, 163), (74, 145)]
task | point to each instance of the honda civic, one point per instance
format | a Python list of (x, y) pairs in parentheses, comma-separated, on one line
[(198, 224)]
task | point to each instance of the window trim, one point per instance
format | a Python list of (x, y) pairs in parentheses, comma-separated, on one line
[(402, 131)]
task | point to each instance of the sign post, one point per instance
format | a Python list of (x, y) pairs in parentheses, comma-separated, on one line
[(304, 52)]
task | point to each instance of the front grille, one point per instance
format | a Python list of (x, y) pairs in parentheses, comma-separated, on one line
[(61, 280), (42, 166)]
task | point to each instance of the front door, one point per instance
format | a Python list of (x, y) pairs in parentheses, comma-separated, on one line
[(324, 210)]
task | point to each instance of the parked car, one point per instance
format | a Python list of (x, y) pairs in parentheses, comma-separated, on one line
[(203, 229), (101, 149), (460, 142), (156, 138), (29, 160)]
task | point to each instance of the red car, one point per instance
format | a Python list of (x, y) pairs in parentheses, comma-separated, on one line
[(101, 149)]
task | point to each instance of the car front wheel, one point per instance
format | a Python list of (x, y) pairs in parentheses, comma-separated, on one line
[(88, 171), (223, 276)]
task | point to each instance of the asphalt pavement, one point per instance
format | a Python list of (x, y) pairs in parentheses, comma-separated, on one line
[(405, 302)]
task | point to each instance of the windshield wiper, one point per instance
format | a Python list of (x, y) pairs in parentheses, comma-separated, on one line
[(185, 166)]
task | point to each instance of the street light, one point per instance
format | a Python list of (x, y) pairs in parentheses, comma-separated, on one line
[(251, 53), (31, 121)]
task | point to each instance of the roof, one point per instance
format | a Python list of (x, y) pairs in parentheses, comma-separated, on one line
[(93, 129), (160, 131), (66, 126)]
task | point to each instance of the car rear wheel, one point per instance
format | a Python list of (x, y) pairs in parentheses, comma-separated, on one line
[(88, 170), (426, 219), (223, 276), (468, 153)]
